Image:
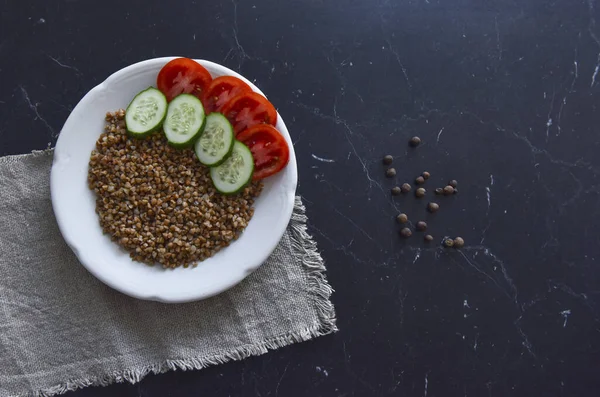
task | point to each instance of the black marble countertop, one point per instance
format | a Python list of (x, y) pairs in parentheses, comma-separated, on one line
[(505, 97)]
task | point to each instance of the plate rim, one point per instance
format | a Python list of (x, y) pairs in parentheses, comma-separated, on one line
[(291, 186)]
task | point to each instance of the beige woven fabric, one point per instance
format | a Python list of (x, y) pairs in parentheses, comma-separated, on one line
[(61, 329)]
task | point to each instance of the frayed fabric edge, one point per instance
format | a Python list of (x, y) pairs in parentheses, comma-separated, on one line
[(305, 248), (35, 153)]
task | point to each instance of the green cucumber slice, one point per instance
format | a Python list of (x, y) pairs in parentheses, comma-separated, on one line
[(235, 172), (185, 120), (216, 142), (146, 112)]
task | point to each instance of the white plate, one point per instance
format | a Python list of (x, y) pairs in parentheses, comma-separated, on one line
[(74, 203)]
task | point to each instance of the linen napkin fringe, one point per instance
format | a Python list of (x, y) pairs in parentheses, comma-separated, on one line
[(320, 291)]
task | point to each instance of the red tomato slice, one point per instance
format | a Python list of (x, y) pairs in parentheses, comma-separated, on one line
[(248, 109), (183, 75), (269, 149), (221, 90)]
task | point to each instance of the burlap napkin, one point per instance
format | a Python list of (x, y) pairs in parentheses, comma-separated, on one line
[(61, 329)]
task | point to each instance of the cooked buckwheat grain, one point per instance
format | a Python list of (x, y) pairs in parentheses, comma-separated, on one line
[(158, 202)]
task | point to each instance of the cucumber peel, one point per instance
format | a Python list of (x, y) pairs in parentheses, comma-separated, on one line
[(216, 141), (184, 121), (235, 172), (146, 113)]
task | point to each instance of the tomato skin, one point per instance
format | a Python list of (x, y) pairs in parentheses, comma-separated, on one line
[(269, 149), (221, 90), (183, 76), (249, 109)]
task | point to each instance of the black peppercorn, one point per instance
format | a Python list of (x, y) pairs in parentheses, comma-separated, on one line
[(428, 238), (426, 175), (433, 207), (415, 141), (420, 180), (439, 191), (420, 192), (453, 183), (448, 242), (448, 190), (396, 191), (402, 218), (459, 242), (387, 159), (406, 233), (421, 226), (390, 172), (405, 187)]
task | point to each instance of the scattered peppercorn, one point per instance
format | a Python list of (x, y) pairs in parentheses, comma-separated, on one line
[(402, 218), (415, 141), (433, 207), (420, 180), (421, 226), (390, 172), (405, 232), (426, 175), (396, 191), (387, 159), (453, 183), (420, 192), (405, 187), (428, 238), (439, 191), (459, 242), (449, 242), (448, 190)]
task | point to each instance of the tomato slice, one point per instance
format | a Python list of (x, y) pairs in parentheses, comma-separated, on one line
[(221, 90), (269, 149), (249, 109), (183, 75)]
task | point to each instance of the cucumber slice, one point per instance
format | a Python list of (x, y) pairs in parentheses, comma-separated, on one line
[(216, 142), (235, 172), (185, 120), (146, 112)]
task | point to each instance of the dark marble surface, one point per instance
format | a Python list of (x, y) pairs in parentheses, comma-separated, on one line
[(505, 96)]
